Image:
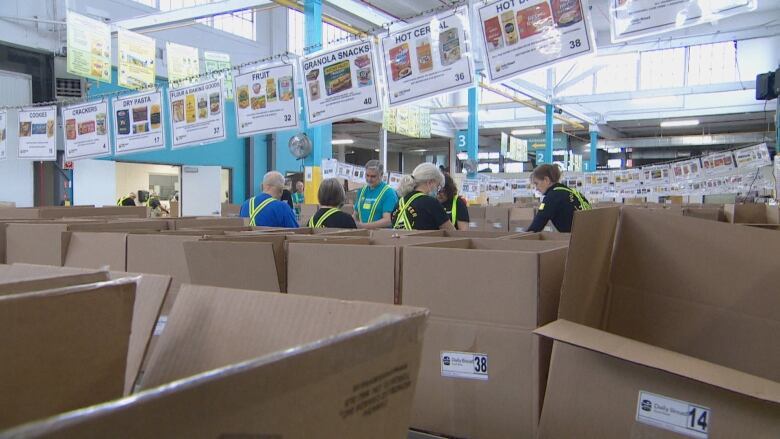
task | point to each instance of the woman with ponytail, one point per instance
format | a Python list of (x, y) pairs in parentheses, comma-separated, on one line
[(418, 208)]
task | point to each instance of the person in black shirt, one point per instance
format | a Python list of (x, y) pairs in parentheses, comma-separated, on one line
[(331, 197), (559, 202), (454, 206), (418, 208), (287, 198)]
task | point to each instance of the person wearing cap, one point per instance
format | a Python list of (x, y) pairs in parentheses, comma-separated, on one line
[(126, 201), (559, 202), (418, 208), (331, 197), (376, 200), (266, 209), (455, 206)]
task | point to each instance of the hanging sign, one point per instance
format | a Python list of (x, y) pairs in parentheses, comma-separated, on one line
[(428, 58), (358, 174), (3, 135), (686, 170), (89, 47), (86, 130), (656, 174), (631, 19), (220, 62), (183, 64), (394, 179), (627, 176), (136, 60), (340, 82), (752, 157), (138, 122), (37, 133), (717, 163), (265, 98), (470, 189), (197, 114), (344, 171), (522, 35), (328, 168), (518, 149)]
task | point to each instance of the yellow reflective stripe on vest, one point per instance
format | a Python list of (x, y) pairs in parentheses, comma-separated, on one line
[(376, 203), (584, 205), (321, 222), (454, 210), (359, 205), (362, 199), (119, 201), (253, 212), (402, 212)]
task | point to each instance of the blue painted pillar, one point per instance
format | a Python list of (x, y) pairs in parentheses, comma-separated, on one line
[(547, 155), (777, 125), (472, 136), (312, 11), (594, 143)]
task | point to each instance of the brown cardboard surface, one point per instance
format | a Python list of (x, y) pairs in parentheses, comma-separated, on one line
[(17, 279), (480, 234), (43, 244), (97, 250), (577, 383), (317, 270), (315, 390), (3, 226), (543, 236), (389, 233), (150, 293), (193, 223), (159, 254), (241, 265), (497, 219), (68, 352), (708, 213)]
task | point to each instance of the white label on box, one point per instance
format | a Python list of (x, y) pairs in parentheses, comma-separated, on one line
[(673, 415), (160, 326), (467, 365)]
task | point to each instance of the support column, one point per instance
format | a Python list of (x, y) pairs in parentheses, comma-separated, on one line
[(777, 125), (547, 155), (472, 137), (594, 143), (383, 147), (342, 153), (312, 11)]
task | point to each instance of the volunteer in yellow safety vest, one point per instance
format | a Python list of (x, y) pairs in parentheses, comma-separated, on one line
[(456, 208), (265, 209), (331, 197), (418, 208), (376, 200), (559, 202), (126, 201)]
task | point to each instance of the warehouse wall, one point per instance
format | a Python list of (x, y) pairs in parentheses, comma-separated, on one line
[(132, 177), (103, 194)]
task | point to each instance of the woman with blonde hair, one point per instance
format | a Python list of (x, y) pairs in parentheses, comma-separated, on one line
[(418, 208)]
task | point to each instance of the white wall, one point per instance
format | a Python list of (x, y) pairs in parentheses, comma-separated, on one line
[(130, 177), (16, 176), (94, 182)]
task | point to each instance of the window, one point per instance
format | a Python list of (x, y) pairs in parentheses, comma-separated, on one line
[(662, 68), (296, 28), (241, 23), (618, 74), (712, 63)]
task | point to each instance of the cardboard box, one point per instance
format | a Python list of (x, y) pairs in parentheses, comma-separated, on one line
[(256, 265), (752, 214), (97, 250), (43, 244), (307, 211), (231, 210), (658, 340), (72, 212), (294, 367), (520, 218), (175, 209), (480, 234), (708, 213), (496, 219), (196, 222), (159, 254), (542, 236), (477, 217), (68, 351), (483, 311)]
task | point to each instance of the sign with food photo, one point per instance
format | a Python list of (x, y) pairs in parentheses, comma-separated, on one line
[(340, 82), (3, 135), (428, 58), (523, 35), (86, 130), (138, 122), (197, 113), (265, 98), (37, 133)]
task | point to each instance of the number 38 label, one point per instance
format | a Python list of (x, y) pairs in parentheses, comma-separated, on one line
[(466, 365), (673, 415)]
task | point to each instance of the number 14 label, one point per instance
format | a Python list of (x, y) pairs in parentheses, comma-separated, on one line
[(673, 415), (466, 365)]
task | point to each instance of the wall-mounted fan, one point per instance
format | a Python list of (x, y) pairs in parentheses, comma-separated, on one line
[(471, 166), (300, 146)]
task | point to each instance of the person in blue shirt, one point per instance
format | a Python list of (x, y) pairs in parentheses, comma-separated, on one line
[(266, 210), (376, 200)]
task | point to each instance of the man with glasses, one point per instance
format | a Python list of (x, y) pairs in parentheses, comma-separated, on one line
[(376, 200)]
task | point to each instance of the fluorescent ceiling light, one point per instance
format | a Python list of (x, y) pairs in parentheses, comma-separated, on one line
[(679, 123), (419, 150), (342, 142), (527, 131), (376, 150)]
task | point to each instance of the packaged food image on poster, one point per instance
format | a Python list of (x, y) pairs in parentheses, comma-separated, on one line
[(270, 90), (178, 110), (70, 129), (727, 160), (140, 114), (534, 19), (424, 55), (286, 88), (258, 102), (313, 75), (190, 108), (86, 127), (214, 103), (364, 74), (123, 122), (50, 128), (314, 90), (257, 88), (338, 77), (141, 128), (243, 96), (449, 47), (25, 128), (203, 107), (155, 116), (566, 12), (493, 34), (400, 62), (100, 121), (509, 26)]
